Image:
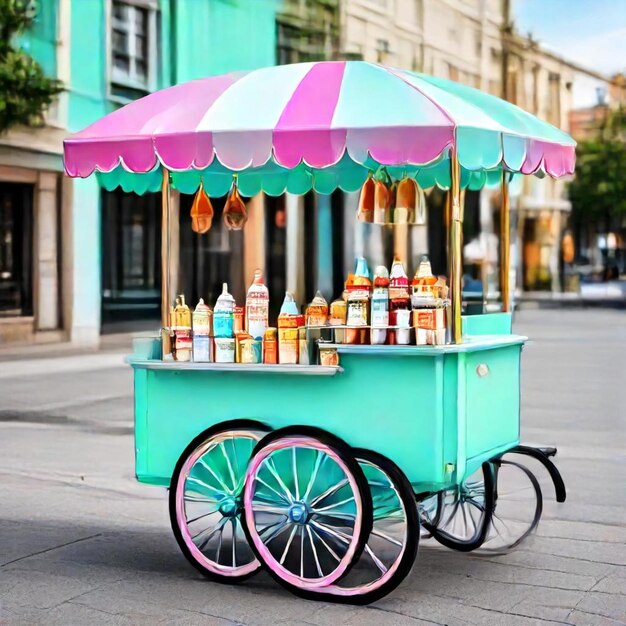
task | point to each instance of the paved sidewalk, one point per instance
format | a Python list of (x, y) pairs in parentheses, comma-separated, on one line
[(83, 544)]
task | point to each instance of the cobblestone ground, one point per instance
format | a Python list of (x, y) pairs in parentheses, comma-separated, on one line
[(82, 543)]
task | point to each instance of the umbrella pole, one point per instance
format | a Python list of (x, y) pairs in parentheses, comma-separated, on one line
[(505, 244), (455, 247), (165, 248)]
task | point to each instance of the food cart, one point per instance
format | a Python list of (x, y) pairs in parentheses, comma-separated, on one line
[(327, 475)]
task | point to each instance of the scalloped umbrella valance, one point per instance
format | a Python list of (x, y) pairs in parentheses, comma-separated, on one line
[(314, 125)]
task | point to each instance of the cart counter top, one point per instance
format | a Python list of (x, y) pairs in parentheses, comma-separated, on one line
[(470, 344)]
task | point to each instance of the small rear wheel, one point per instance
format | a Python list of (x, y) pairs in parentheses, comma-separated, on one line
[(518, 504), (307, 507), (464, 512), (206, 501)]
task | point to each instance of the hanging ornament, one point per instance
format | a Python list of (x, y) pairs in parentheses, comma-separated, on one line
[(383, 197), (406, 199), (235, 214), (365, 212), (201, 212)]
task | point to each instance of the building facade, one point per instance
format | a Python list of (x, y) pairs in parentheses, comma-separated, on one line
[(71, 254)]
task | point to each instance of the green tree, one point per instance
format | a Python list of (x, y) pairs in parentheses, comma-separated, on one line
[(598, 193), (25, 91)]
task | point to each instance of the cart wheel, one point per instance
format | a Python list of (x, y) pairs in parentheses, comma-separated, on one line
[(307, 507), (429, 510), (392, 545), (465, 512), (206, 504), (517, 508)]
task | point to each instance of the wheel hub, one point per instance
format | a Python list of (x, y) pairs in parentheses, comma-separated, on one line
[(298, 513), (229, 506)]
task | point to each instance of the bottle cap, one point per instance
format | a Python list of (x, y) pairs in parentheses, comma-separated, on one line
[(289, 306)]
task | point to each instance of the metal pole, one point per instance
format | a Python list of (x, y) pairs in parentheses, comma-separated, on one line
[(455, 248), (165, 249), (505, 244)]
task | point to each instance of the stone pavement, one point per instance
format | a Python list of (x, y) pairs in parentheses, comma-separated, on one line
[(82, 543)]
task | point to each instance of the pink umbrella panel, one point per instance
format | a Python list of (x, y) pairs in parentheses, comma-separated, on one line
[(318, 115)]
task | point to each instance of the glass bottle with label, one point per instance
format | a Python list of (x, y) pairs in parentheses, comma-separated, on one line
[(223, 314), (257, 307), (380, 306), (358, 302), (399, 300)]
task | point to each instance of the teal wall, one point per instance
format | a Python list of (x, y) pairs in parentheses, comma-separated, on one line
[(197, 38), (41, 41), (221, 36)]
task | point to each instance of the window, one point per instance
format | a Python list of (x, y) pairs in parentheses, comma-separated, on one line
[(133, 46)]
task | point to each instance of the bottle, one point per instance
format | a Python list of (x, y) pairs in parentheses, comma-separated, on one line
[(424, 280), (380, 305), (317, 311), (201, 332), (257, 307), (223, 314), (359, 291), (288, 321), (270, 346), (399, 298), (182, 330)]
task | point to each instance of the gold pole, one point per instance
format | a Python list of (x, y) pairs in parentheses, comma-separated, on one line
[(455, 248), (505, 244), (165, 249)]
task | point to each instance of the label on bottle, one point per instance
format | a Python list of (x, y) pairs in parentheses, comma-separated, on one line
[(223, 323), (257, 314), (357, 313), (380, 311)]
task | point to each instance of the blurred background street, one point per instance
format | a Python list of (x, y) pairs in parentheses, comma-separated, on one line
[(83, 543)]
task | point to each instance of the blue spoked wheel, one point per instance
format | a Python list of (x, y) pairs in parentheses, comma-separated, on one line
[(206, 501), (392, 544), (307, 507)]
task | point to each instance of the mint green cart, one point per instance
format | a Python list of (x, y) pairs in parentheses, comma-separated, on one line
[(327, 476)]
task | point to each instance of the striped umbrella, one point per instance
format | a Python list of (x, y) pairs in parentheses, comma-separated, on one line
[(315, 125)]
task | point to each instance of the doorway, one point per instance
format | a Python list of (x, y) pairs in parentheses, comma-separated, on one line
[(16, 258)]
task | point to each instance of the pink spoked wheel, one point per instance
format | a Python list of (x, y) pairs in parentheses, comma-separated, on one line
[(307, 507), (391, 547), (206, 501)]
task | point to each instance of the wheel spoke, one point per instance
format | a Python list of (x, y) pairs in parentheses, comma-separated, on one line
[(301, 551), (330, 550), (330, 491), (205, 542), (282, 524), (269, 463), (386, 537), (288, 544), (319, 459), (332, 532), (204, 485), (280, 495), (294, 463), (379, 564), (332, 506), (267, 508), (314, 550), (234, 541), (229, 465), (212, 472), (199, 517)]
